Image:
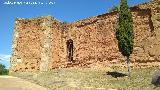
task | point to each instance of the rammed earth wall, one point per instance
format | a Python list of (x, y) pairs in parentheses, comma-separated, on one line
[(40, 44)]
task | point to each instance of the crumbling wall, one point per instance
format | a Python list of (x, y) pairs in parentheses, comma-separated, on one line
[(40, 44), (152, 44), (46, 44), (27, 45), (95, 42), (57, 46), (31, 49)]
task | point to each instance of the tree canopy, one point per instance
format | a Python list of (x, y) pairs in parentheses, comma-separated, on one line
[(3, 70), (124, 33)]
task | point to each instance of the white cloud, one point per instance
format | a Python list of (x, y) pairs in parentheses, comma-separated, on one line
[(5, 57)]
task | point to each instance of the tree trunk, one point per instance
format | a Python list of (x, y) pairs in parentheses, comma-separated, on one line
[(129, 67)]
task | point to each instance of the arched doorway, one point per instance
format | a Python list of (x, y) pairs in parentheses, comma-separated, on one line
[(70, 50)]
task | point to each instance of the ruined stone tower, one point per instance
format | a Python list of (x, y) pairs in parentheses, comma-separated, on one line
[(43, 43)]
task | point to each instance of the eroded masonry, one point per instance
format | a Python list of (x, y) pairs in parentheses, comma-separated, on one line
[(43, 43)]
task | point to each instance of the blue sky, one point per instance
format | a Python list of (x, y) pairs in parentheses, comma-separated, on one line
[(63, 10)]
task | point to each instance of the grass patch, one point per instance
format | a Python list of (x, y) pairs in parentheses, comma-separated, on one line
[(92, 79)]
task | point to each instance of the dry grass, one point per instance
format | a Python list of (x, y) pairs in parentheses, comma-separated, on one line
[(92, 79)]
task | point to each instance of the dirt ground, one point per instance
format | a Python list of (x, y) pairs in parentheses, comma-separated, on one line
[(114, 78), (14, 83)]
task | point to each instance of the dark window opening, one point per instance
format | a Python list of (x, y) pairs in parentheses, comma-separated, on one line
[(70, 50)]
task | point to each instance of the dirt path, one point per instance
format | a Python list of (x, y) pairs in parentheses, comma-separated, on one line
[(14, 83)]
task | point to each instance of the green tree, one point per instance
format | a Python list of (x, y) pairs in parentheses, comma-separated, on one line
[(124, 33), (3, 70)]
